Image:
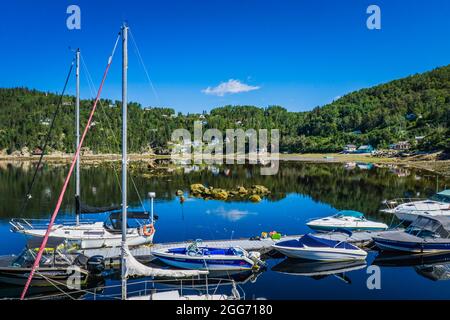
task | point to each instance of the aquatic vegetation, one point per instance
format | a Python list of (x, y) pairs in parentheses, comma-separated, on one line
[(253, 194)]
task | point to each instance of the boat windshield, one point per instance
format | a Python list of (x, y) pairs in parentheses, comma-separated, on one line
[(424, 226), (422, 233), (26, 259), (441, 197), (349, 213)]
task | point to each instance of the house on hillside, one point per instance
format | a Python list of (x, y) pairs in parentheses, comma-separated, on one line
[(37, 152), (349, 148), (400, 146), (364, 149)]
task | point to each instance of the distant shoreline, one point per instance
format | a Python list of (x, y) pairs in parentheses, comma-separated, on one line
[(428, 162)]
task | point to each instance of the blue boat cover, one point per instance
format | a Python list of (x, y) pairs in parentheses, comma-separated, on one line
[(445, 193), (313, 241)]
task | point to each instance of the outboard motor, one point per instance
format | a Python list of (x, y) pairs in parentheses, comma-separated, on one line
[(96, 264)]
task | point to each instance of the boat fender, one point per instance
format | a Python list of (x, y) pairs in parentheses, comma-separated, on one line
[(148, 230)]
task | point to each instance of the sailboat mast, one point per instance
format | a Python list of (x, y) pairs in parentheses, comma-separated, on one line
[(124, 155), (77, 128)]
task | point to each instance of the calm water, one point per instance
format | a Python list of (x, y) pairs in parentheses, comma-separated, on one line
[(300, 191)]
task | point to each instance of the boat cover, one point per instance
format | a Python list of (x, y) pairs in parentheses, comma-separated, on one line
[(135, 268), (130, 215), (85, 208), (310, 240), (399, 236), (435, 224)]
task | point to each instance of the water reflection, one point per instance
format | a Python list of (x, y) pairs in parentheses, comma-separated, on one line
[(300, 191), (319, 270), (433, 267), (358, 189)]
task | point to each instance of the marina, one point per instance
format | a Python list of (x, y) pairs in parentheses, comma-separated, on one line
[(241, 224), (151, 201)]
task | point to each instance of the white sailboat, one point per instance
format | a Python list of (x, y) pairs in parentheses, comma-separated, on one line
[(91, 234)]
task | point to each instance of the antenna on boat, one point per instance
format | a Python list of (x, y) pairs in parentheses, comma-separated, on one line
[(124, 156), (77, 143)]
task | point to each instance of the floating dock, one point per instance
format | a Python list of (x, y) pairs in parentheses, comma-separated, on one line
[(263, 245)]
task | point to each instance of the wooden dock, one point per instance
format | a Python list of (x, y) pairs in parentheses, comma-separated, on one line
[(143, 253)]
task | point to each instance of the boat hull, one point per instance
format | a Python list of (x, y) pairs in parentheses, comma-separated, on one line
[(205, 263), (414, 247), (322, 254), (92, 241), (351, 228), (18, 276)]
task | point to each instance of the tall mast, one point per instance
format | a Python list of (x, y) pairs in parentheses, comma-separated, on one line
[(124, 155), (77, 126)]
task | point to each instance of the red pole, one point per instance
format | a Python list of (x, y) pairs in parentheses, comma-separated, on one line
[(66, 182)]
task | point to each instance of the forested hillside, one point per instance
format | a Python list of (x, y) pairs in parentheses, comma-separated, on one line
[(416, 106)]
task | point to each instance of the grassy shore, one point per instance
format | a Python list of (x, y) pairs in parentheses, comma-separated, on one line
[(430, 162)]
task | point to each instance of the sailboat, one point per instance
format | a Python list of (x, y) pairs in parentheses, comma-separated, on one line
[(91, 234)]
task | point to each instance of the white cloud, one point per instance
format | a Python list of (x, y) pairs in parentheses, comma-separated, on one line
[(232, 215), (232, 86)]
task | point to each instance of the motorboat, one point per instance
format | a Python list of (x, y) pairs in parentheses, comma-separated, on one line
[(408, 209), (347, 219), (94, 234), (426, 234), (56, 267), (198, 257), (313, 247)]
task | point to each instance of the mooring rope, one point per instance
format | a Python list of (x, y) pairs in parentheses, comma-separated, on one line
[(66, 182)]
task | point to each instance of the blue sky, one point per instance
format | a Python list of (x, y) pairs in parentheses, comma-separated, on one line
[(298, 54)]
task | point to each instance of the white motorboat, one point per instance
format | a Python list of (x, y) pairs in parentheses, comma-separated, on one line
[(408, 209), (94, 234), (311, 247), (426, 234), (346, 219), (199, 257)]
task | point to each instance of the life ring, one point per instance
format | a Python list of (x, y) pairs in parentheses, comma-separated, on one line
[(148, 230)]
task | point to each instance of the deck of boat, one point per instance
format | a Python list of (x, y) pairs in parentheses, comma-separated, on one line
[(143, 253)]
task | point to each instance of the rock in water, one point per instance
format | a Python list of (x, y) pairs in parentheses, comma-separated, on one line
[(254, 198)]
